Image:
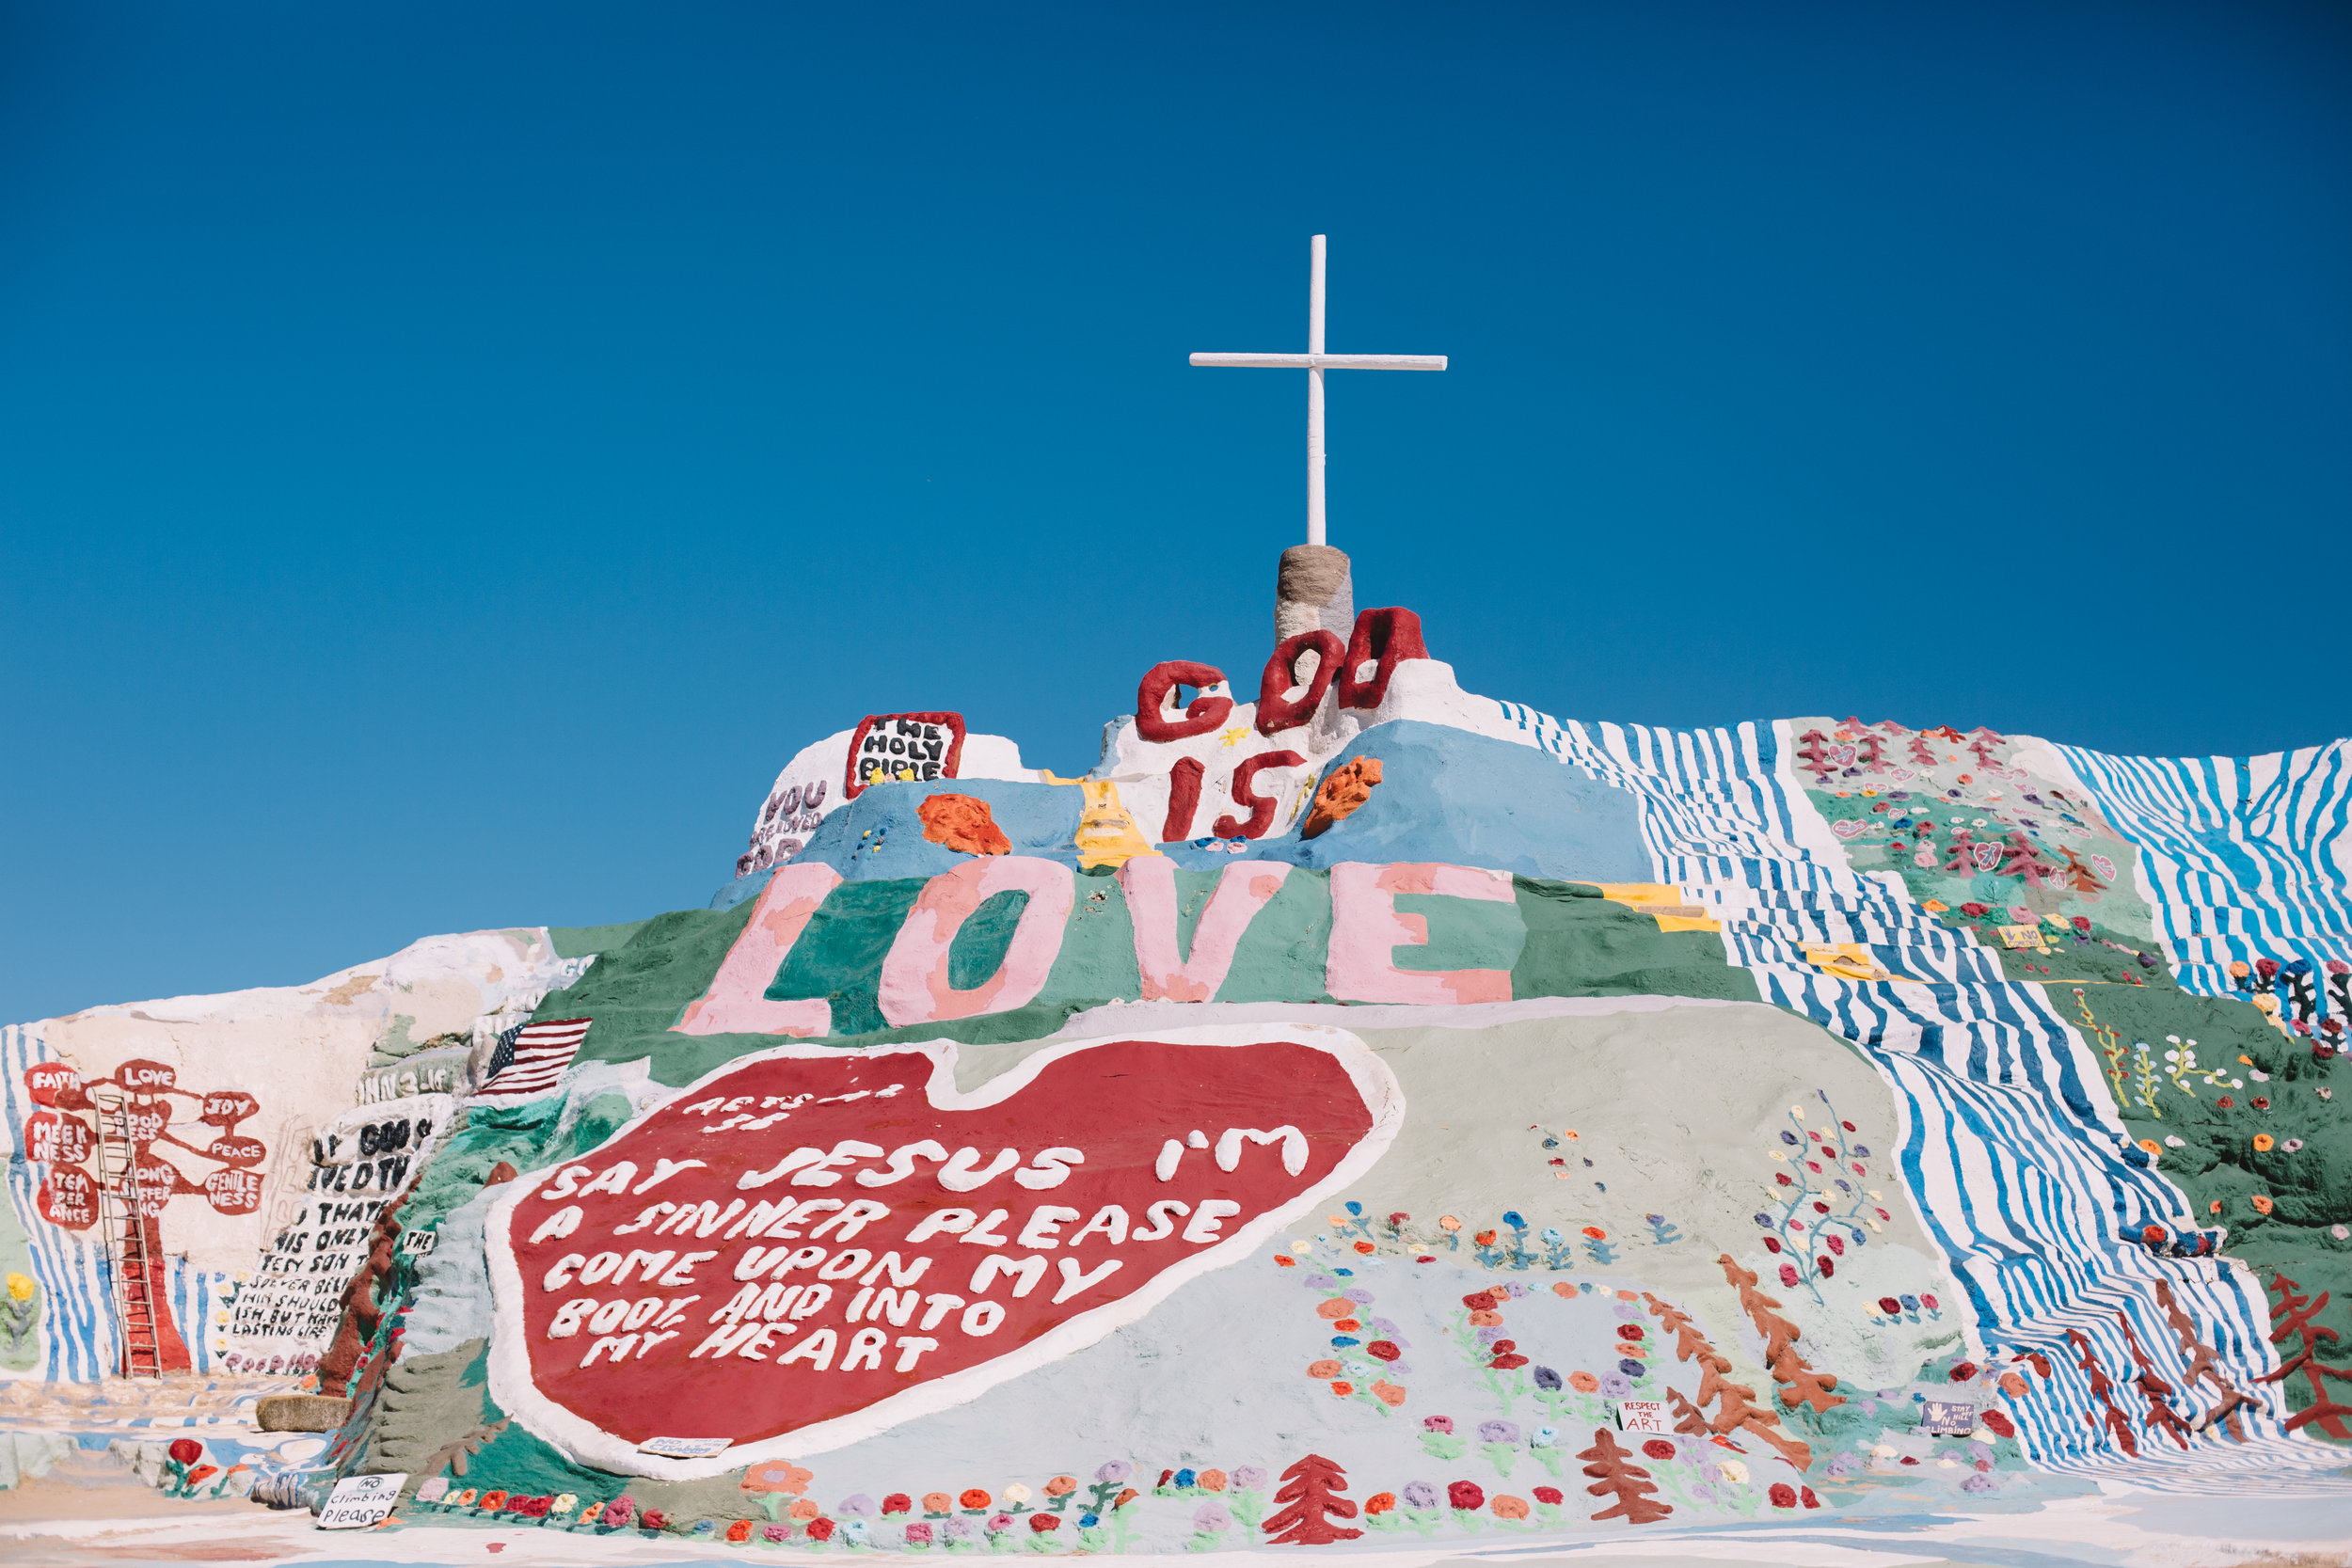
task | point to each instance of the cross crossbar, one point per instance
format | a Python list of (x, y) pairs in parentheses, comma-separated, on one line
[(1314, 362)]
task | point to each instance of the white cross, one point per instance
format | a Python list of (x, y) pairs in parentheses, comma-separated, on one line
[(1314, 362)]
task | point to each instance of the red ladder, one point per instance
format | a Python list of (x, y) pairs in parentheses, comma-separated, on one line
[(131, 1263)]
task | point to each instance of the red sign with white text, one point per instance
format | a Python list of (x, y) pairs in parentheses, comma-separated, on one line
[(805, 1248)]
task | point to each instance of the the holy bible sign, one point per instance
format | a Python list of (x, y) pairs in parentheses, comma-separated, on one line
[(810, 1245)]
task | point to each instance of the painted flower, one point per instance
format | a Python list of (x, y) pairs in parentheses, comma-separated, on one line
[(919, 1533), (1045, 1523), (1113, 1472), (976, 1499), (821, 1528), (1783, 1495), (1658, 1447), (1442, 1424), (1381, 1502), (1212, 1518), (740, 1531), (187, 1450), (1060, 1486), (899, 1502), (492, 1501), (1549, 1495), (2261, 1203), (653, 1518), (2263, 1143), (618, 1512), (1387, 1393), (857, 1505), (777, 1475), (1249, 1476), (1386, 1350), (1210, 1480), (773, 1533), (1543, 1438), (464, 1499), (1017, 1493), (1498, 1432), (940, 1502), (803, 1508), (1508, 1507), (1583, 1382), (999, 1523), (565, 1502), (1734, 1471), (1464, 1495), (1419, 1494)]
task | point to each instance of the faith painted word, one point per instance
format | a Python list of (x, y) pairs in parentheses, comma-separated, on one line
[(807, 1249)]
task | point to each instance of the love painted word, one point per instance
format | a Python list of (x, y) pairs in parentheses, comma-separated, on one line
[(805, 1249), (820, 958)]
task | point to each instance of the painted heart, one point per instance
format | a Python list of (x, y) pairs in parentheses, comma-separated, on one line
[(808, 1246), (1849, 828)]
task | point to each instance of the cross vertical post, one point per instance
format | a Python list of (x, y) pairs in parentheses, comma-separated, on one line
[(1314, 362), (1314, 397)]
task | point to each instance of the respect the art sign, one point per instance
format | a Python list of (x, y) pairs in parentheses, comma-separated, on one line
[(807, 1248)]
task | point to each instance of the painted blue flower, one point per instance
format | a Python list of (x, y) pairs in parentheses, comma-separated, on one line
[(1354, 1207), (1764, 1220), (1186, 1477), (1789, 1138), (1338, 1341), (1511, 1217), (1546, 1380), (1632, 1367), (1088, 1521), (1858, 1152), (1551, 1235), (1911, 1304)]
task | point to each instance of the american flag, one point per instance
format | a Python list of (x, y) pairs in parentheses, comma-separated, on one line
[(531, 1059)]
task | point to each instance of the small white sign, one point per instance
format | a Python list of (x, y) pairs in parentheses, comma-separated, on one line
[(1643, 1415), (418, 1243), (685, 1448), (358, 1501)]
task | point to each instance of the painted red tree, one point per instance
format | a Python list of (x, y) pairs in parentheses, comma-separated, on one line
[(1312, 1488), (1615, 1474), (2113, 1419), (1920, 753), (1871, 753), (1981, 748), (2293, 1316), (2024, 859), (1813, 755)]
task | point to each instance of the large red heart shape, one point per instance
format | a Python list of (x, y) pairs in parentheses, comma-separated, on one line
[(808, 1246)]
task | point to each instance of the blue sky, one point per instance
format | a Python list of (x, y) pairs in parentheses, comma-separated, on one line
[(451, 456)]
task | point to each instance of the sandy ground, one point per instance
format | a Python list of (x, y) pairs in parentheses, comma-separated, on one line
[(91, 1511)]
